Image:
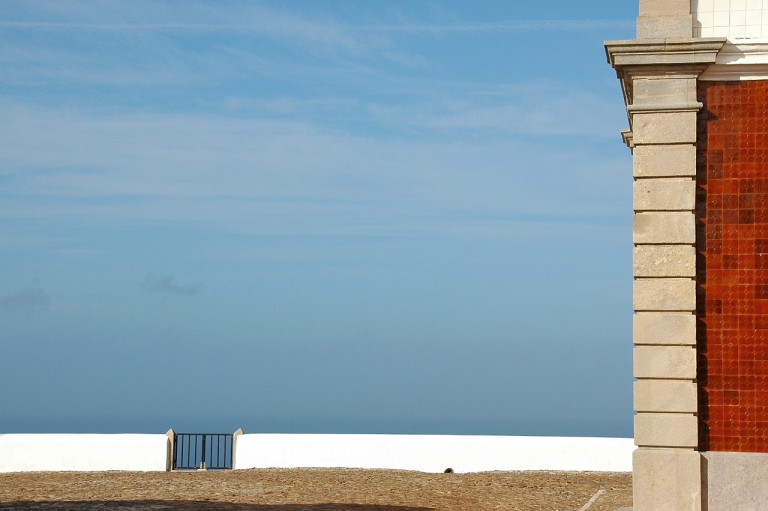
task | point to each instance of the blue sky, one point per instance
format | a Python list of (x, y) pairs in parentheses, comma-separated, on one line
[(382, 216)]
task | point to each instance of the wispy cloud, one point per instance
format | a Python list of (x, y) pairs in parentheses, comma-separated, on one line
[(510, 26), (251, 18), (525, 112), (362, 133), (153, 31), (27, 301), (297, 26), (271, 176), (167, 284), (421, 172)]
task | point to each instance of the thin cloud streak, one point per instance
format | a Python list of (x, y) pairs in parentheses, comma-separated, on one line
[(267, 176), (509, 26), (504, 26), (196, 17), (167, 284), (27, 301), (265, 166)]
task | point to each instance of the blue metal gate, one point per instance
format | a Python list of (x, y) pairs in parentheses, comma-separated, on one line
[(211, 451)]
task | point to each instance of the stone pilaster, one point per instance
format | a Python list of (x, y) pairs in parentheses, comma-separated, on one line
[(658, 78)]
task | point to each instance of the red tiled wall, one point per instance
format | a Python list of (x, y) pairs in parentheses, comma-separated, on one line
[(732, 265)]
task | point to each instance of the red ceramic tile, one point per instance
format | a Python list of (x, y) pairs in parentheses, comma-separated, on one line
[(732, 209)]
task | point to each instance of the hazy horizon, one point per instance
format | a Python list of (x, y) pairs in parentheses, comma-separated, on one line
[(321, 425)]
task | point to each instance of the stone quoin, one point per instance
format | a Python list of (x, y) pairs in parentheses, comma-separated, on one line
[(695, 85)]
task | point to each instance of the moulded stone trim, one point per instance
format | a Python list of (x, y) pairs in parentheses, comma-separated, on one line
[(664, 127), (664, 194), (676, 53), (664, 294), (626, 137), (664, 228), (664, 261), (664, 55), (666, 430), (664, 108), (665, 396), (664, 328), (666, 479), (667, 160), (665, 362)]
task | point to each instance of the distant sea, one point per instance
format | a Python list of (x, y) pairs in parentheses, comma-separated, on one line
[(347, 425)]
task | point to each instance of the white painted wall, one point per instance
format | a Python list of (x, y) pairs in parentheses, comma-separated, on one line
[(435, 453), (426, 453), (82, 452)]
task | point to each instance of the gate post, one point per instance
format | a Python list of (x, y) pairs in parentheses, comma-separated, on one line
[(170, 449), (234, 445)]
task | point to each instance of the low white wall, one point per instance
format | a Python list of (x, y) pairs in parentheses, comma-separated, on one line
[(435, 453), (426, 453), (82, 452)]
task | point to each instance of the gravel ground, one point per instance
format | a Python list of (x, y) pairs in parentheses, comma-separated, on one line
[(316, 490)]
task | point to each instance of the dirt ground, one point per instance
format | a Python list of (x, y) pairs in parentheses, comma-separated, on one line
[(316, 490)]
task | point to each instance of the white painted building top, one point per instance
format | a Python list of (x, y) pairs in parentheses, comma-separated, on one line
[(734, 19)]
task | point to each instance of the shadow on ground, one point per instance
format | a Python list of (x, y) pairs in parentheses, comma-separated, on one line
[(188, 505)]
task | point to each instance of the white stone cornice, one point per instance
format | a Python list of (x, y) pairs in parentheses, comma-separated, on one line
[(656, 52), (740, 59), (627, 136), (678, 57)]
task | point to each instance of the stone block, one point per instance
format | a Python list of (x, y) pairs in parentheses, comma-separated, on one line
[(666, 430), (664, 91), (664, 7), (665, 362), (664, 127), (665, 396), (668, 194), (664, 261), (665, 160), (736, 480), (664, 294), (656, 27), (666, 480), (666, 328), (669, 227)]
